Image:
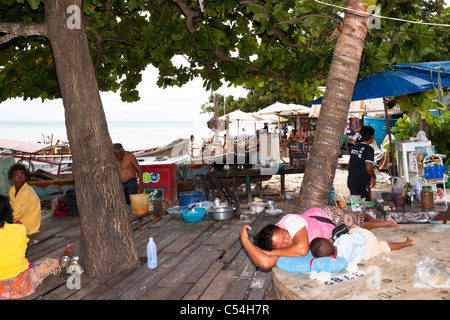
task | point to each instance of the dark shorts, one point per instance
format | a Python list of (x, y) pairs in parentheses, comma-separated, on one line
[(359, 189), (130, 187)]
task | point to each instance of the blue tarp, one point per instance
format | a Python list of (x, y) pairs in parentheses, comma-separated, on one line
[(429, 71), (386, 84)]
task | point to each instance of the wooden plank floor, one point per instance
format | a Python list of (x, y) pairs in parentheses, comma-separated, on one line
[(201, 261)]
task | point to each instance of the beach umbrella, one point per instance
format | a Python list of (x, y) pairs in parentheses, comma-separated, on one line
[(283, 109), (268, 118), (238, 115)]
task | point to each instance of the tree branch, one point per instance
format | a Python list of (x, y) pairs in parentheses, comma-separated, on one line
[(189, 13), (99, 39), (264, 9), (20, 29), (317, 15), (289, 44)]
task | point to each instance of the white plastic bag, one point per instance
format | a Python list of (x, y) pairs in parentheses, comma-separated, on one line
[(422, 136), (431, 273), (355, 202)]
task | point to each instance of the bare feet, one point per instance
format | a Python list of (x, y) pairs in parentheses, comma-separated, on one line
[(68, 251), (387, 223), (409, 242), (379, 224), (399, 245)]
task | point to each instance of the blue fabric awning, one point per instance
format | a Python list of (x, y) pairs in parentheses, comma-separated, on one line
[(386, 84), (429, 71)]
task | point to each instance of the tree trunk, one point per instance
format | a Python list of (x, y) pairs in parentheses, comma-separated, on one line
[(325, 151), (107, 241)]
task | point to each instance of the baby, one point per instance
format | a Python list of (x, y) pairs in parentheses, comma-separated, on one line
[(360, 244)]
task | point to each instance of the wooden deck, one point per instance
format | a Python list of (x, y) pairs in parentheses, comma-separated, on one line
[(202, 261)]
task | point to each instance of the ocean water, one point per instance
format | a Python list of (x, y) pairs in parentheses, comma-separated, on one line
[(132, 135)]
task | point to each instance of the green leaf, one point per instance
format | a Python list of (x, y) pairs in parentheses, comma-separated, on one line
[(176, 37), (34, 4), (231, 4)]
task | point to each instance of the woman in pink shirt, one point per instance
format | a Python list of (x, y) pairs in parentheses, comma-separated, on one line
[(291, 236)]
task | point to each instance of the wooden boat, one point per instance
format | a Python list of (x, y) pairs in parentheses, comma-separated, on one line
[(29, 154), (175, 148), (48, 189)]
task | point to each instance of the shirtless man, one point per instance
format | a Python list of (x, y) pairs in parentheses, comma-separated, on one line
[(300, 138), (128, 166)]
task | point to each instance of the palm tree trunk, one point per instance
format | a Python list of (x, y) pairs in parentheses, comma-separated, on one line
[(344, 70)]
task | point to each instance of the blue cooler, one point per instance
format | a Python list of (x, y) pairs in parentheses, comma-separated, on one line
[(191, 197)]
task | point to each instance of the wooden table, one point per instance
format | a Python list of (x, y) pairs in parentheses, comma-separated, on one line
[(217, 179), (440, 211)]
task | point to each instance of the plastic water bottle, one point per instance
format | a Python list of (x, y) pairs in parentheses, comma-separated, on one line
[(152, 260)]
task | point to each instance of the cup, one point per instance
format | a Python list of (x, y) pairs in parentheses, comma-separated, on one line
[(271, 205)]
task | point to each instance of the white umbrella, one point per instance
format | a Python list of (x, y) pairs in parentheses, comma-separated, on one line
[(238, 115), (268, 118), (283, 109)]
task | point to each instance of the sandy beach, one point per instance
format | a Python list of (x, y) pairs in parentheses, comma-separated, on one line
[(294, 181)]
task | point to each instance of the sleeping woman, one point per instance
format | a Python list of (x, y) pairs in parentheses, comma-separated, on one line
[(291, 236)]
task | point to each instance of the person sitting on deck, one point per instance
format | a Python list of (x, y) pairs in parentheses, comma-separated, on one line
[(23, 199), (18, 277), (360, 244), (128, 166), (291, 236)]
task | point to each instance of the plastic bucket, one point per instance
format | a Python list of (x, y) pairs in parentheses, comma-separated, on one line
[(190, 197), (140, 203), (379, 124)]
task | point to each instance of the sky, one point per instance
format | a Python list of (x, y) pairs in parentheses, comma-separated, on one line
[(179, 104)]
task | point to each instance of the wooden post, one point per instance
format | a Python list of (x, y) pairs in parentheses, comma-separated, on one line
[(386, 115)]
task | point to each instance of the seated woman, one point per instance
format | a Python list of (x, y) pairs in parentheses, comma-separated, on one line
[(291, 236), (24, 200), (18, 277)]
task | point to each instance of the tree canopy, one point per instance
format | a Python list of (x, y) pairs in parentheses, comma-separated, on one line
[(256, 44)]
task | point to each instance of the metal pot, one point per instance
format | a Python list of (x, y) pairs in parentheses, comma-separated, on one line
[(221, 213)]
